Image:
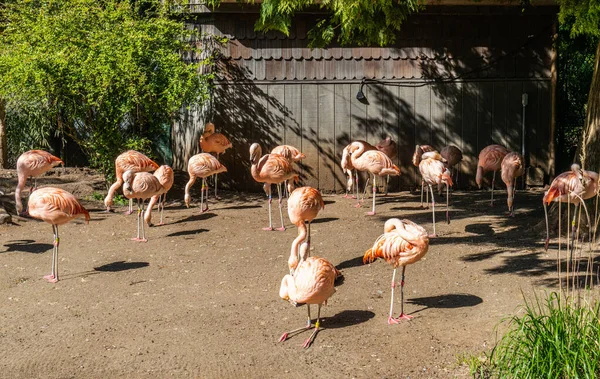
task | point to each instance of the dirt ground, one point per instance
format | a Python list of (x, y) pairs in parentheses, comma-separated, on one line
[(200, 299)]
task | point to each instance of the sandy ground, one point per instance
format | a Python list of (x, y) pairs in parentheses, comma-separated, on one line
[(200, 299)]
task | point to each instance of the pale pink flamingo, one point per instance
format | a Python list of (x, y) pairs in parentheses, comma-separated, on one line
[(32, 163), (374, 161), (390, 148), (292, 154), (312, 283), (402, 243), (347, 167), (211, 142), (271, 169), (129, 160), (434, 171), (416, 159), (141, 186), (453, 156), (573, 187), (490, 159), (166, 177), (303, 206), (56, 207), (513, 166), (201, 166)]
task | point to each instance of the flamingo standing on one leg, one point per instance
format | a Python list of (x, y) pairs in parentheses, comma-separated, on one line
[(303, 206), (201, 166), (56, 207), (32, 163), (271, 169), (312, 283), (453, 156), (374, 161), (347, 167), (211, 142), (434, 171), (141, 186), (291, 154), (512, 167), (390, 148), (129, 160), (166, 177), (416, 159), (402, 243), (573, 187), (490, 159)]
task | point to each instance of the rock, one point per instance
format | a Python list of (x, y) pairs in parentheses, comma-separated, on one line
[(4, 217)]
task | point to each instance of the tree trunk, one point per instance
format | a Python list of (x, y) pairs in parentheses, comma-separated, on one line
[(590, 154), (3, 136)]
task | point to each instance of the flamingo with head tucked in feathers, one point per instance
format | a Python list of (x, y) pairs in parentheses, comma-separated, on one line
[(434, 172), (166, 177), (211, 142), (290, 153), (32, 163), (390, 148), (490, 159), (303, 206), (416, 160), (141, 186), (347, 167), (201, 166)]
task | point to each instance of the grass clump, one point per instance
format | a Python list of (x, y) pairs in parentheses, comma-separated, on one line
[(551, 339), (118, 200)]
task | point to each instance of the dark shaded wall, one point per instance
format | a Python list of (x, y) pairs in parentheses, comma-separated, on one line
[(454, 76)]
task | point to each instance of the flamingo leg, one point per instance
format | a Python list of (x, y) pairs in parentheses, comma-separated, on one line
[(372, 213), (53, 277), (311, 338), (280, 211), (365, 191), (387, 184), (493, 182), (447, 204), (547, 228), (286, 335), (422, 193), (161, 205), (392, 320), (426, 197), (572, 236), (140, 220), (308, 240), (130, 208), (512, 208), (356, 187), (267, 187), (204, 188), (433, 209)]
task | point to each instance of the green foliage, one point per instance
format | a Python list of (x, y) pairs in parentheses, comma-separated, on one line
[(551, 339), (105, 73), (118, 200), (586, 15), (362, 22), (28, 129)]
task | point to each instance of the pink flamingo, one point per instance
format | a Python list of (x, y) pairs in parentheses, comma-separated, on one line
[(211, 142), (141, 186), (347, 167), (390, 148), (56, 207), (512, 167), (129, 160), (490, 159), (32, 163), (374, 161), (271, 169), (416, 159), (453, 156), (303, 206), (573, 187), (201, 166), (166, 177), (291, 154), (434, 171), (402, 243), (312, 283)]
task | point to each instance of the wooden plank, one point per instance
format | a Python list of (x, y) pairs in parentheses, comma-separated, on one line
[(485, 105), (389, 126), (454, 124), (423, 116), (406, 135), (533, 139), (541, 145), (342, 123), (358, 113), (293, 103), (326, 137), (438, 116), (499, 114), (276, 110), (514, 111), (374, 116), (469, 132), (310, 141)]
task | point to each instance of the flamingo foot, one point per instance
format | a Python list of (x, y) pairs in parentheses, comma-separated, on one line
[(52, 280), (310, 339), (357, 205), (404, 316), (432, 235), (546, 244), (447, 218), (49, 276), (349, 197), (269, 228), (160, 224), (392, 321), (371, 213), (127, 213), (283, 337), (137, 239), (204, 210), (282, 229), (109, 210)]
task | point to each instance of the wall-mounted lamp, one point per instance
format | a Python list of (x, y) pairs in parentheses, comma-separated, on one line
[(360, 95)]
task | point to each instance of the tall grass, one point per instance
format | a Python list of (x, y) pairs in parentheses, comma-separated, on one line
[(550, 339)]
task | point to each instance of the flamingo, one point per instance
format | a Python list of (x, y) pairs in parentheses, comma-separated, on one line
[(453, 156), (291, 153), (56, 207), (390, 148), (416, 159), (211, 142), (166, 177), (201, 166), (32, 163), (347, 167), (374, 161), (312, 283), (129, 160), (512, 167), (141, 186), (303, 206), (574, 187), (402, 243), (271, 169), (434, 171), (490, 159)]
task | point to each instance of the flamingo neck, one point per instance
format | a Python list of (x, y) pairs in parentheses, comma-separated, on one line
[(294, 259)]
